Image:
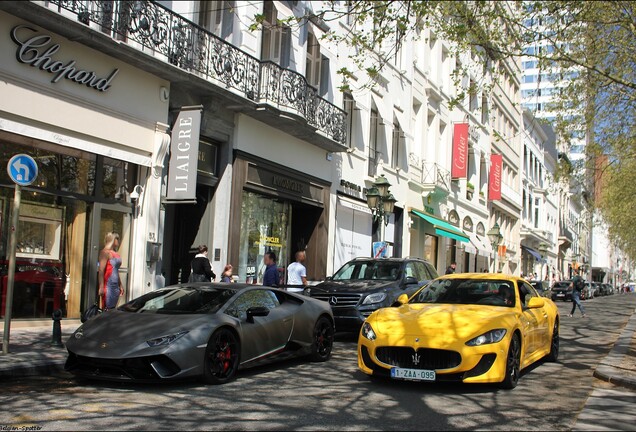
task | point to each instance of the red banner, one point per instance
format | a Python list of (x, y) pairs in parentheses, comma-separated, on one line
[(494, 181), (459, 169)]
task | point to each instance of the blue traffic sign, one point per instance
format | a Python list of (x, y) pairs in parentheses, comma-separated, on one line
[(22, 169)]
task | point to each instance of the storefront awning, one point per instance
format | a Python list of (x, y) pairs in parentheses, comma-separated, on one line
[(442, 227), (533, 252), (482, 247)]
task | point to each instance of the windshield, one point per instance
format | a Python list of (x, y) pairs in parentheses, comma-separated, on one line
[(180, 300), (467, 291), (369, 270)]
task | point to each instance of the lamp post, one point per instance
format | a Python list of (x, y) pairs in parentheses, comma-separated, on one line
[(543, 249), (495, 237), (381, 202)]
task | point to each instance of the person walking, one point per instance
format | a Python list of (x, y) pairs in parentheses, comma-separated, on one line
[(451, 268), (577, 286), (270, 276), (110, 287), (297, 273), (226, 276), (201, 268)]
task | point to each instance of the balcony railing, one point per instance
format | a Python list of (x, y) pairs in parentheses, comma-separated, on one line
[(435, 175), (164, 34)]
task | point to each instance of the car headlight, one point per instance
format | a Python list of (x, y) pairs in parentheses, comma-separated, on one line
[(367, 331), (493, 336), (374, 298), (165, 340)]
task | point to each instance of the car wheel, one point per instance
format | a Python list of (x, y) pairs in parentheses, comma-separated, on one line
[(554, 344), (322, 340), (221, 357), (513, 364)]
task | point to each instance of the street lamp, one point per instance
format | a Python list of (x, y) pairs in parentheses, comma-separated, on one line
[(381, 202), (495, 237), (543, 249)]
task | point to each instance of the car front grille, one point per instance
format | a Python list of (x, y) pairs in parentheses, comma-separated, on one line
[(142, 368), (424, 358), (339, 299)]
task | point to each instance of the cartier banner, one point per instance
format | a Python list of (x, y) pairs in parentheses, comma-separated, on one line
[(459, 168), (184, 152), (494, 181)]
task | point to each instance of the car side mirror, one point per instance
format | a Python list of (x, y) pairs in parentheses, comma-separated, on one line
[(328, 278), (256, 311), (410, 280), (402, 299), (536, 302)]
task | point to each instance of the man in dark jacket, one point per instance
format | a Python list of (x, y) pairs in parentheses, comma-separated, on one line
[(270, 277), (578, 284), (451, 268)]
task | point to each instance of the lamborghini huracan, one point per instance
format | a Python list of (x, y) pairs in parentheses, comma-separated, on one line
[(471, 328), (202, 329)]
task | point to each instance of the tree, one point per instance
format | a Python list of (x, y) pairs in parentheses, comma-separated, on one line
[(588, 47)]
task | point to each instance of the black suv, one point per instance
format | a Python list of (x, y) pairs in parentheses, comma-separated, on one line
[(562, 291), (365, 284)]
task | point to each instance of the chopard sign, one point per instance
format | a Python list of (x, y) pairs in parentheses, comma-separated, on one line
[(36, 50)]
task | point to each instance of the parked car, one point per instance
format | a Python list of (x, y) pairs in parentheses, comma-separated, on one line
[(469, 327), (202, 329), (542, 288), (364, 285), (588, 292), (598, 289), (562, 291), (606, 289)]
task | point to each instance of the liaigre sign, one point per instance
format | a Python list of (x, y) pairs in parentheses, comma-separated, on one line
[(37, 50)]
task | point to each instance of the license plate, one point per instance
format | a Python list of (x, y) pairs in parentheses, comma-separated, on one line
[(412, 374), (560, 295)]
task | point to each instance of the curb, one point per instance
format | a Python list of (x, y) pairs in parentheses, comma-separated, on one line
[(45, 368), (606, 370)]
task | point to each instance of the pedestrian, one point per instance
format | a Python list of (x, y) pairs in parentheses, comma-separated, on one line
[(296, 272), (552, 281), (110, 287), (451, 268), (577, 286), (270, 277), (201, 270), (226, 276)]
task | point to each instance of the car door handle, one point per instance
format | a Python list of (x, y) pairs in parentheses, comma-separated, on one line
[(287, 320)]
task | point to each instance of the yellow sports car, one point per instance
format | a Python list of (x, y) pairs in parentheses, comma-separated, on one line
[(475, 328)]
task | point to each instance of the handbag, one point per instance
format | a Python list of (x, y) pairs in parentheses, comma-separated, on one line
[(91, 312), (196, 277)]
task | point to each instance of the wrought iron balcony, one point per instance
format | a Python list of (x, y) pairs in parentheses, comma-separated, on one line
[(161, 33), (435, 178)]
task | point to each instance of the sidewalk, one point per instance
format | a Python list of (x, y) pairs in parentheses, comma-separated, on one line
[(31, 352), (619, 367)]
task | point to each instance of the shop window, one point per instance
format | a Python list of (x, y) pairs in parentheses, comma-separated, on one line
[(265, 227), (55, 226)]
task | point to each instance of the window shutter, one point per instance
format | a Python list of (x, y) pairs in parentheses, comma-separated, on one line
[(324, 76), (285, 47)]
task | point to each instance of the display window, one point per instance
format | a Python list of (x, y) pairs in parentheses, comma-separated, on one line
[(63, 218), (265, 227)]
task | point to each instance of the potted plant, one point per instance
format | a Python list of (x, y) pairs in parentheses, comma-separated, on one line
[(470, 189)]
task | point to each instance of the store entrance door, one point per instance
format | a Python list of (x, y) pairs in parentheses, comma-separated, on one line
[(107, 218)]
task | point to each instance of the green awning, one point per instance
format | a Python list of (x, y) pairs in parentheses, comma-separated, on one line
[(442, 227)]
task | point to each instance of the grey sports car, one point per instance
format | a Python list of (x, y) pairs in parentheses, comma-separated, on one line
[(202, 329)]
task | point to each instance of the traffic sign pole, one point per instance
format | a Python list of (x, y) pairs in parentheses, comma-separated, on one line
[(23, 170), (13, 241)]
